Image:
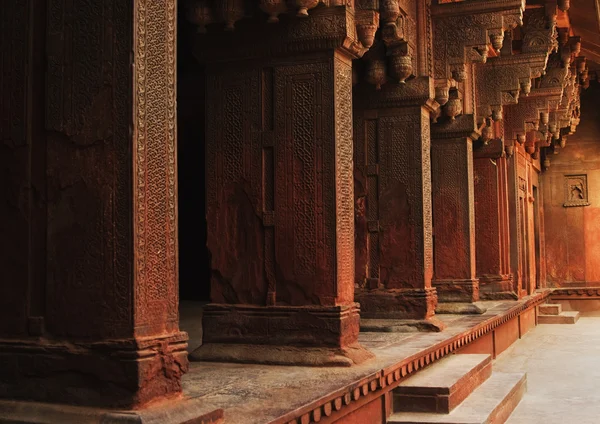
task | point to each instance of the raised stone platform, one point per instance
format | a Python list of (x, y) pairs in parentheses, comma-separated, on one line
[(259, 394), (567, 317)]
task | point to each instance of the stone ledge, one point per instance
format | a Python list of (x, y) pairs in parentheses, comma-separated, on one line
[(181, 411)]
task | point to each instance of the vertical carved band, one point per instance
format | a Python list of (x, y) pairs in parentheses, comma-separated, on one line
[(344, 177), (155, 186)]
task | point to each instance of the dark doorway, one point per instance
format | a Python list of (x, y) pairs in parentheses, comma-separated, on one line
[(194, 261)]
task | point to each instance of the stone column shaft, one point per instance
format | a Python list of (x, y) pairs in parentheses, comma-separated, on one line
[(492, 231), (94, 318), (453, 214), (280, 212), (393, 195)]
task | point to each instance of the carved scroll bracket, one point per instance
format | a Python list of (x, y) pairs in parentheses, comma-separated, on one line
[(464, 33), (248, 32)]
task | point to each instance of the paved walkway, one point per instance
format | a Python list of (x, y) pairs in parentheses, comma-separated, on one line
[(563, 373)]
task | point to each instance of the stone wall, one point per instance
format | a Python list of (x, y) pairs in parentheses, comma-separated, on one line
[(572, 202)]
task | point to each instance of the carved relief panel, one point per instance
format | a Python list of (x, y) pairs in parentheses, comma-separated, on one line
[(279, 185), (576, 191)]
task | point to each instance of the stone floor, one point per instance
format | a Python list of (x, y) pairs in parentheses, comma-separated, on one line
[(257, 394), (563, 372)]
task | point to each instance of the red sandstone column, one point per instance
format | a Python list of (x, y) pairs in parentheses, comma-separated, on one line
[(93, 183), (453, 210), (491, 221), (393, 198), (280, 199)]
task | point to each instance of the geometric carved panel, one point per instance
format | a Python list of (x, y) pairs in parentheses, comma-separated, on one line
[(576, 191)]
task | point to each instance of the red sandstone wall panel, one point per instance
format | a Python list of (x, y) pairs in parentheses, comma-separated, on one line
[(591, 217), (393, 247), (505, 335), (487, 217), (526, 321), (279, 192), (484, 344), (575, 228), (572, 233), (88, 118), (15, 194), (371, 413), (452, 209), (234, 192)]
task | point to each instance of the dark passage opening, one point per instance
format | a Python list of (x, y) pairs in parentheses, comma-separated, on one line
[(194, 260)]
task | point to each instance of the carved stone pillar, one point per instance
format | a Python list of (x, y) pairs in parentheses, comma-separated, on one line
[(453, 210), (393, 195), (491, 222), (280, 194), (93, 316)]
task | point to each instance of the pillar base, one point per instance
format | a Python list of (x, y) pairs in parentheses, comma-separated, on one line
[(178, 411), (282, 335), (401, 304), (126, 373), (497, 287), (457, 290)]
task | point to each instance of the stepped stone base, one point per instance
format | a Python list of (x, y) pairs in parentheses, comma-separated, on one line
[(492, 402), (567, 317), (550, 309), (443, 386)]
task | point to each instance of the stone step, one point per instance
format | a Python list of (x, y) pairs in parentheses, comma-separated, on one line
[(550, 309), (566, 317), (444, 385), (492, 402)]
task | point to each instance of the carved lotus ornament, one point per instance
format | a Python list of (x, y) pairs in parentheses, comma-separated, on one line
[(530, 148), (273, 8), (510, 150), (487, 133), (497, 115), (376, 73), (442, 94), (564, 5), (199, 13), (453, 108), (497, 40), (304, 6), (563, 142), (232, 11), (390, 11), (401, 67)]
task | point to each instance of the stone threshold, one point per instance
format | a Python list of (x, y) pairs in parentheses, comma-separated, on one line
[(259, 394)]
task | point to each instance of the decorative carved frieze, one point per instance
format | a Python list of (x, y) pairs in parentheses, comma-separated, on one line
[(332, 24), (463, 33), (503, 79)]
